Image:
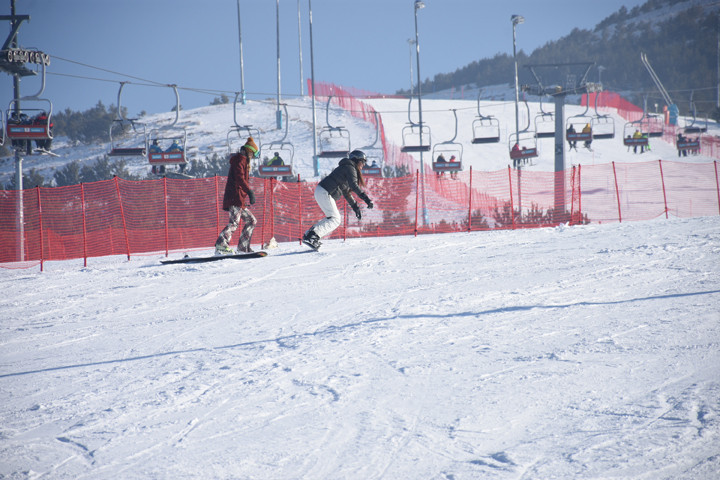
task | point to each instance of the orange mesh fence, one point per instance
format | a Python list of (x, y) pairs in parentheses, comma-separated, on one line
[(121, 217)]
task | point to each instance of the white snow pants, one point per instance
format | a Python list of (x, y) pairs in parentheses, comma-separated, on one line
[(332, 215)]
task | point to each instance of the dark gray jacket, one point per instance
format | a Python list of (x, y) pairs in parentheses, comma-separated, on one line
[(342, 180)]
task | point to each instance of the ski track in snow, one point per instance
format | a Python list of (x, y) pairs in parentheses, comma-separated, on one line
[(585, 352)]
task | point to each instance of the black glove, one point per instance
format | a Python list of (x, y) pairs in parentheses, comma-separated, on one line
[(367, 200), (251, 196), (356, 209)]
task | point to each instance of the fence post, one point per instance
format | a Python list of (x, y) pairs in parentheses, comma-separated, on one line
[(122, 216), (470, 202), (662, 179), (167, 233), (717, 184), (82, 204), (299, 187), (512, 205), (572, 195), (617, 193), (217, 207), (417, 199), (264, 220), (42, 258), (579, 187), (273, 180)]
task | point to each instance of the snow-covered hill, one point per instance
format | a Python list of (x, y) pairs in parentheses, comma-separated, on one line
[(208, 129)]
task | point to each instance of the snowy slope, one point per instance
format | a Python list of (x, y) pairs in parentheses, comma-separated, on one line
[(208, 129), (577, 353)]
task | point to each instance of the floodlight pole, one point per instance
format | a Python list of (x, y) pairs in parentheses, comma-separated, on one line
[(411, 42), (278, 113), (302, 87), (517, 20), (242, 73), (418, 5), (312, 81)]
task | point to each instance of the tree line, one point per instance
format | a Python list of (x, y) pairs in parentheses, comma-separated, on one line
[(681, 49)]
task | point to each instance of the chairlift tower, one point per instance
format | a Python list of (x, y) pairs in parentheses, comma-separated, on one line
[(559, 92), (13, 60)]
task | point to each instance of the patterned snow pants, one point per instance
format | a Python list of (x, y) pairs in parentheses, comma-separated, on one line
[(249, 220)]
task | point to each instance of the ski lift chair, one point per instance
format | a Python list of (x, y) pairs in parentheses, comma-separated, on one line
[(628, 135), (692, 128), (237, 137), (278, 146), (120, 124), (415, 134), (526, 149), (603, 126), (545, 125), (448, 150), (578, 122), (240, 133), (414, 138), (654, 125), (486, 129), (373, 166), (175, 154), (334, 140), (30, 124), (25, 125)]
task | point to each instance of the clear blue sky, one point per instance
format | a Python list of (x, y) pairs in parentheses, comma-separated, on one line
[(194, 44)]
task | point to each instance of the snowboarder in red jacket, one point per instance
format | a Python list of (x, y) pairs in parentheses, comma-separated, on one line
[(237, 190)]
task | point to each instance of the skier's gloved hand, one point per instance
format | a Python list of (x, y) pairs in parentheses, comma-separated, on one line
[(356, 209), (367, 200), (251, 195)]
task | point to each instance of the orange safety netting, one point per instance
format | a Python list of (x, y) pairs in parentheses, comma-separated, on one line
[(122, 217)]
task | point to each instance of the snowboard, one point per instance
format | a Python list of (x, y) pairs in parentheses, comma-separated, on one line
[(214, 258)]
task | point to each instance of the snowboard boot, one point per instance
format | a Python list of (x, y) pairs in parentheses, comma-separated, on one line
[(223, 250), (312, 240)]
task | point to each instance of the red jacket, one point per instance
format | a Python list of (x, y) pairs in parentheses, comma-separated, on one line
[(238, 182)]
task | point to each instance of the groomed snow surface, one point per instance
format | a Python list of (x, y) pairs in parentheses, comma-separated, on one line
[(585, 352)]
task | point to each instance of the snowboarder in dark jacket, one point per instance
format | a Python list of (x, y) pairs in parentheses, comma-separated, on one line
[(236, 191), (347, 176)]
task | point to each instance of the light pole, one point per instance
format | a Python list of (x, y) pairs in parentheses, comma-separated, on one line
[(411, 42), (418, 5), (278, 113), (242, 74), (516, 20), (316, 169), (302, 87)]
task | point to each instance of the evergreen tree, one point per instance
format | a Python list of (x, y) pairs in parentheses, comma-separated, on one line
[(31, 179), (68, 175)]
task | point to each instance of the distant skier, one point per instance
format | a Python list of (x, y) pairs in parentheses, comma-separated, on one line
[(347, 176), (236, 190), (570, 139)]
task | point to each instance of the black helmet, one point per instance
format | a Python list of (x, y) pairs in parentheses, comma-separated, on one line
[(358, 156)]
